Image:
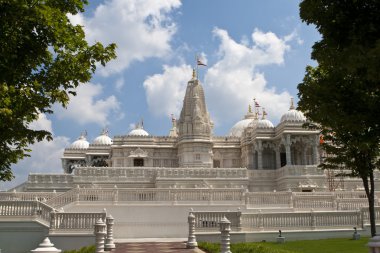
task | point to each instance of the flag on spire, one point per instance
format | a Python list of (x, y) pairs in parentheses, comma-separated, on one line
[(200, 63)]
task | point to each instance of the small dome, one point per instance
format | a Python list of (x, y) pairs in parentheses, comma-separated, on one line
[(249, 119), (264, 123), (81, 143), (238, 129), (138, 131), (293, 115), (103, 139)]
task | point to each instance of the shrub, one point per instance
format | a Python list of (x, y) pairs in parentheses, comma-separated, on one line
[(87, 249)]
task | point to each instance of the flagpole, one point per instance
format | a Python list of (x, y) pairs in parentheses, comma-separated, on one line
[(196, 63)]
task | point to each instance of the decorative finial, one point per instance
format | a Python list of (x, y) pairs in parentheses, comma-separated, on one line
[(257, 106), (194, 74), (104, 131), (291, 104), (249, 109), (264, 114), (173, 120), (83, 135)]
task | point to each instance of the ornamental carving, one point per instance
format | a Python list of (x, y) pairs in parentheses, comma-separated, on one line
[(138, 152)]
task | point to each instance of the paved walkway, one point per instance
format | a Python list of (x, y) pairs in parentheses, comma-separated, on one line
[(154, 247)]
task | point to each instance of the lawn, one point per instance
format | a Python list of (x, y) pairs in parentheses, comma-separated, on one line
[(313, 246)]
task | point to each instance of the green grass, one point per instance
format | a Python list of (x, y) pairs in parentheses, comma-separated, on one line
[(312, 246), (88, 249)]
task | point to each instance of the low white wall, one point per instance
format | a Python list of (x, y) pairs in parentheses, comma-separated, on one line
[(289, 235), (71, 241), (21, 236), (148, 221)]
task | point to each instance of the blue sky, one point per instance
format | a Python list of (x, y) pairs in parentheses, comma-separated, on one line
[(253, 49)]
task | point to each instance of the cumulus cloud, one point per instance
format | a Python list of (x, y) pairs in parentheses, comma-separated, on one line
[(141, 29), (165, 92), (234, 80), (44, 158), (86, 107), (231, 83)]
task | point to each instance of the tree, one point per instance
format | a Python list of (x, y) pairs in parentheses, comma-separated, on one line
[(341, 95), (43, 59)]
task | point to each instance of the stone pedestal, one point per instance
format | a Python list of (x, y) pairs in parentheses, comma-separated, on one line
[(109, 239), (225, 229), (191, 241), (374, 244), (100, 233), (280, 239), (46, 247)]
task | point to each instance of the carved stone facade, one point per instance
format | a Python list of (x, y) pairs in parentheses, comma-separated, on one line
[(277, 158)]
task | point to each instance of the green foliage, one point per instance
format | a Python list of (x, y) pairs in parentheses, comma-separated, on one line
[(88, 249), (243, 248), (309, 246), (43, 59), (342, 94)]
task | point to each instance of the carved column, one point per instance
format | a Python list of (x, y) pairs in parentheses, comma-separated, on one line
[(259, 155), (316, 151), (278, 158), (109, 240), (287, 150), (100, 233), (225, 228), (191, 241)]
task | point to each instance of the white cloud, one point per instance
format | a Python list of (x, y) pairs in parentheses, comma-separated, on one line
[(233, 81), (119, 84), (86, 108), (42, 123), (165, 92), (44, 158), (141, 29)]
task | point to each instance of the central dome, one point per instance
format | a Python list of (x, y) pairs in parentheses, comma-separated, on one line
[(103, 139), (238, 129), (80, 143), (138, 131), (293, 115)]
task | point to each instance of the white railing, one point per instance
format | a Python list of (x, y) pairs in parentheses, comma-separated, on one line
[(311, 220), (26, 208), (253, 200), (314, 201), (150, 173), (41, 196), (268, 199), (352, 204), (74, 222), (63, 198), (210, 220)]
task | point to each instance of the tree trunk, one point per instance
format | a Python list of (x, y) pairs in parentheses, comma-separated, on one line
[(370, 192)]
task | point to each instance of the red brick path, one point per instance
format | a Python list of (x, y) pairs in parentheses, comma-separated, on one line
[(153, 247)]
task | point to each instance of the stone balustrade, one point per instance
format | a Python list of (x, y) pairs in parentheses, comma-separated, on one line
[(41, 196), (26, 208), (69, 222), (63, 198), (311, 220), (150, 173), (268, 199), (210, 220), (35, 178)]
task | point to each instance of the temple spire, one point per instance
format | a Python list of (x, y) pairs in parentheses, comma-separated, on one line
[(291, 104)]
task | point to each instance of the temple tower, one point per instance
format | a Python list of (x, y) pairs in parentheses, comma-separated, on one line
[(195, 128)]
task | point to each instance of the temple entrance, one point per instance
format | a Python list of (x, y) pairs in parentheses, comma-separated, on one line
[(216, 163), (283, 159), (138, 162)]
